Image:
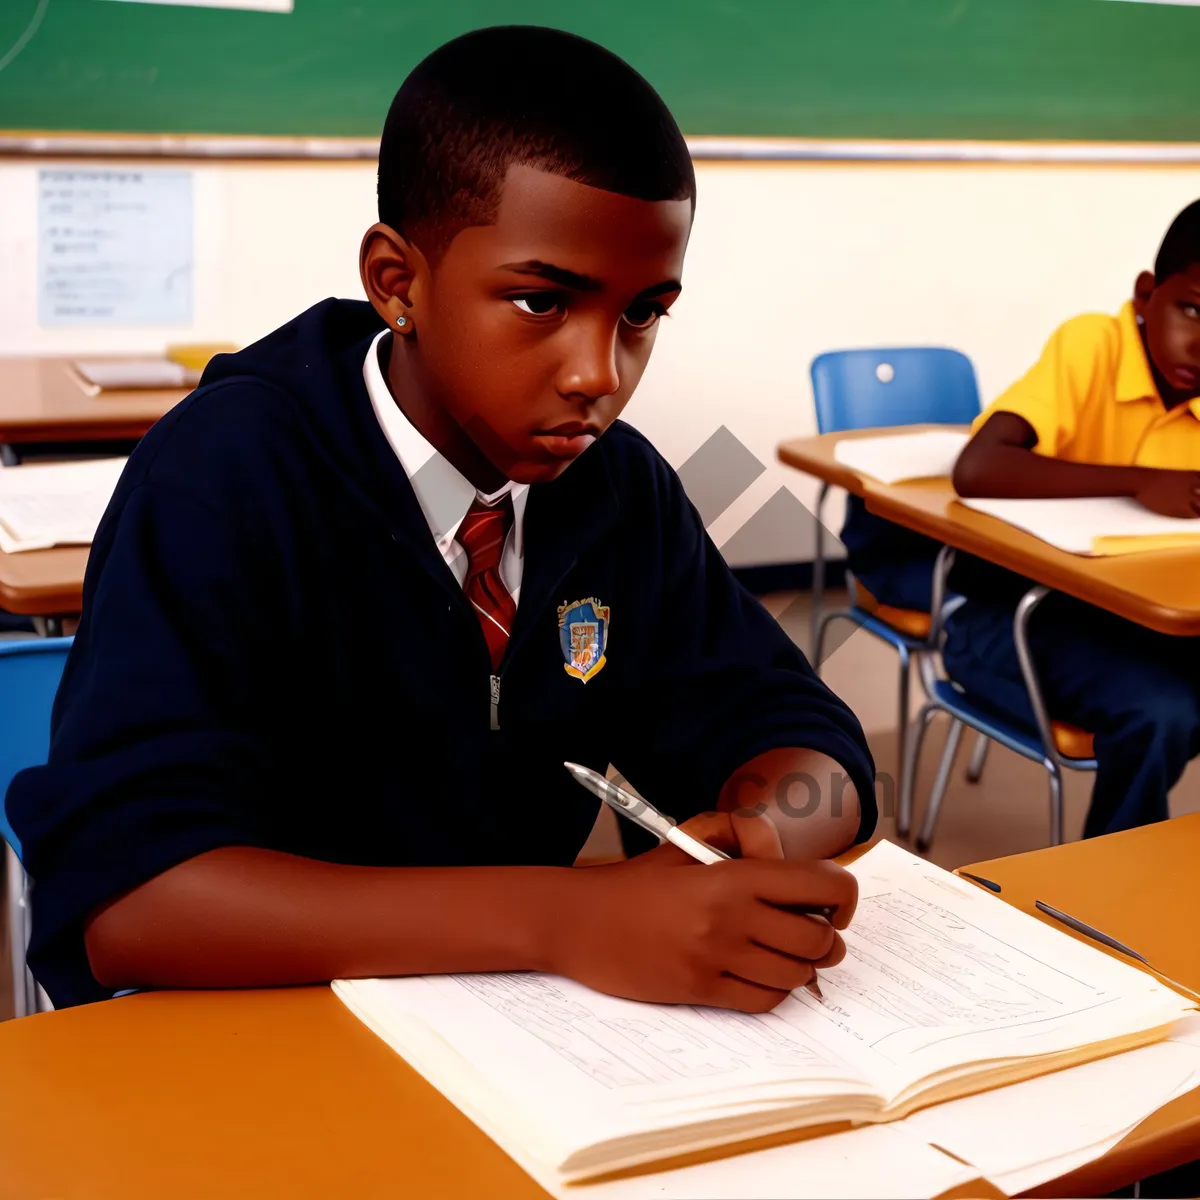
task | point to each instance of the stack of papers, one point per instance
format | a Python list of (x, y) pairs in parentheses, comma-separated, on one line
[(895, 457), (132, 374), (945, 992), (1102, 525), (55, 504)]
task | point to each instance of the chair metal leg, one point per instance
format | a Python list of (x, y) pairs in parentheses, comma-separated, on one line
[(953, 739), (827, 619), (1056, 803), (912, 757), (904, 815), (978, 757), (15, 898)]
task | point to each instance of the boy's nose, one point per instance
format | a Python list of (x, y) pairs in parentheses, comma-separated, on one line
[(590, 368)]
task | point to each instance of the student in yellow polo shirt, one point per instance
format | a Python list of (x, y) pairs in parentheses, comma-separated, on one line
[(1111, 409)]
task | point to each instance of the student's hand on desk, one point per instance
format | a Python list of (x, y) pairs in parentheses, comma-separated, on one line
[(664, 928), (1171, 493)]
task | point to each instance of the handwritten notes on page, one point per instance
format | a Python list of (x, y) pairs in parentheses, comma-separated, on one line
[(114, 247)]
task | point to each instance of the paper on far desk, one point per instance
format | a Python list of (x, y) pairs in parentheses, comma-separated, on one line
[(1086, 525), (894, 457), (131, 374), (55, 504)]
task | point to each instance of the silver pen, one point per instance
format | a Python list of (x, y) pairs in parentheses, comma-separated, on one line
[(642, 812), (1090, 931)]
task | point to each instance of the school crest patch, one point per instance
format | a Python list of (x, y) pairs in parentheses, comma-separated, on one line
[(583, 636)]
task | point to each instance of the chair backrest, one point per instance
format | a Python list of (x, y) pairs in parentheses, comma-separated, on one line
[(30, 671), (863, 389)]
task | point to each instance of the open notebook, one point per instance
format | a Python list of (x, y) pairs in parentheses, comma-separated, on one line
[(55, 504), (1100, 525), (945, 991)]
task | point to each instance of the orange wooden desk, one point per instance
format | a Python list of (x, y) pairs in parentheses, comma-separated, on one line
[(43, 583), (41, 402), (285, 1093), (1160, 590), (1141, 888)]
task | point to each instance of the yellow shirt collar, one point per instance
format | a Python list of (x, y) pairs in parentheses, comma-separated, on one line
[(1134, 378)]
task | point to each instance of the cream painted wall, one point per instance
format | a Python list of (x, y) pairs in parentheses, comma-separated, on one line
[(786, 260)]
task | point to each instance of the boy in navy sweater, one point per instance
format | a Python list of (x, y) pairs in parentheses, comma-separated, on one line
[(244, 791)]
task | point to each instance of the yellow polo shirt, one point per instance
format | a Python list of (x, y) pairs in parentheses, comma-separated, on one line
[(1091, 399)]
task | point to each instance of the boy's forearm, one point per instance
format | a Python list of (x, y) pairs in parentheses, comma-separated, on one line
[(1000, 463), (247, 917), (1013, 473), (809, 798)]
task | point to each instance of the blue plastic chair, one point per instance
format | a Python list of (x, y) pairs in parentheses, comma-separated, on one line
[(1055, 744), (867, 389), (30, 671)]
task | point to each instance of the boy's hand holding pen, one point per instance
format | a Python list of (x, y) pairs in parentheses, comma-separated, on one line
[(748, 910)]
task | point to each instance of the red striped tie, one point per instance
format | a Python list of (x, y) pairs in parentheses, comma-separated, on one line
[(481, 535)]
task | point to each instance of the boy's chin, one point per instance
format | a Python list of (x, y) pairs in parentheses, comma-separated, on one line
[(539, 472)]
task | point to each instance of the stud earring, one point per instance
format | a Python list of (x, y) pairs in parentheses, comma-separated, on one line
[(401, 322), (1141, 320)]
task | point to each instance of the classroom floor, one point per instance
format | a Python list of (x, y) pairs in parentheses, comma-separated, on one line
[(1007, 812)]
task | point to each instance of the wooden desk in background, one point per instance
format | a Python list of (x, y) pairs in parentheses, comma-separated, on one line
[(1159, 589), (1139, 887), (285, 1093), (40, 402)]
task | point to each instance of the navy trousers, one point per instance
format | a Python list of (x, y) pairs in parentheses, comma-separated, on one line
[(1136, 691)]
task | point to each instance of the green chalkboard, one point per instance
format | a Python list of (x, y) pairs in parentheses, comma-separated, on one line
[(991, 69)]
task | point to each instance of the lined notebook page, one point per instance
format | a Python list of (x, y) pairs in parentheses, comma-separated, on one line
[(55, 504)]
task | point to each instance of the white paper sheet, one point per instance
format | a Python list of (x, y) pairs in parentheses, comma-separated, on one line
[(114, 247), (278, 6), (880, 1162), (1023, 1135), (1074, 525), (894, 457)]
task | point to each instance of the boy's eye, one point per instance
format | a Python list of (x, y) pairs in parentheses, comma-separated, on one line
[(1192, 311), (643, 314), (539, 304)]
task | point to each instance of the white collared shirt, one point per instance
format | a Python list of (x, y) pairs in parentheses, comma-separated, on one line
[(443, 493)]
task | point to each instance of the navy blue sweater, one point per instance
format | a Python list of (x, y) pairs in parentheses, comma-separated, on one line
[(274, 653)]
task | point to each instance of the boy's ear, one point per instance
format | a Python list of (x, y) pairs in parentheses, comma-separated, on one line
[(392, 270), (1143, 289)]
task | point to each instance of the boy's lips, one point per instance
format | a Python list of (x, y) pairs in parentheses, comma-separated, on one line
[(569, 440), (1187, 377)]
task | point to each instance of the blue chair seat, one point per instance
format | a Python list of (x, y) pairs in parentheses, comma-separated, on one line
[(1017, 738)]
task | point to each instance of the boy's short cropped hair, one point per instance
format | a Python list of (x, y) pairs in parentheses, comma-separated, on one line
[(520, 94), (1180, 247)]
